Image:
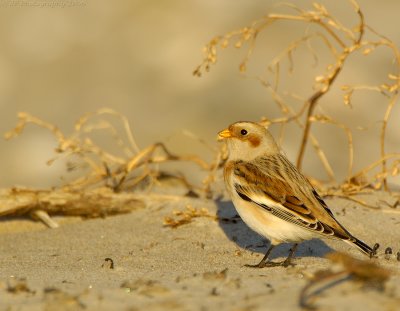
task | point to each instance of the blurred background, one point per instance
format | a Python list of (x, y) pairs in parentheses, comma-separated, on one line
[(62, 59)]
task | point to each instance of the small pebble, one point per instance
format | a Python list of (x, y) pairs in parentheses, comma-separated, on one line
[(108, 263), (388, 253), (398, 256), (214, 292)]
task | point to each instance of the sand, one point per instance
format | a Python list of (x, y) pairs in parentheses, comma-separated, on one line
[(196, 266)]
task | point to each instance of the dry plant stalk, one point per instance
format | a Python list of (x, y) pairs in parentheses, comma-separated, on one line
[(112, 170), (102, 190), (186, 216), (342, 42), (361, 270), (366, 272)]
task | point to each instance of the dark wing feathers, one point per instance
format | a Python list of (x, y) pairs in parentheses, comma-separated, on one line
[(252, 182), (288, 216), (295, 204)]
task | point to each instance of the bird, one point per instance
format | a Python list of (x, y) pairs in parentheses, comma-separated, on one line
[(273, 197)]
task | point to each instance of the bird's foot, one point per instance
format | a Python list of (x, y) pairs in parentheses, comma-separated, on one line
[(264, 263), (286, 263)]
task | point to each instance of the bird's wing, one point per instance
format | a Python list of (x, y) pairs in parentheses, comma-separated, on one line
[(302, 206)]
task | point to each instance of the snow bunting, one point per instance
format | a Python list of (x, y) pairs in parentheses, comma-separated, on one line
[(271, 195)]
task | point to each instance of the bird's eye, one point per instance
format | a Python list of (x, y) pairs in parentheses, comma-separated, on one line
[(243, 132)]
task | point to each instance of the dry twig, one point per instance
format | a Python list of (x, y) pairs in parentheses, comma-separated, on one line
[(365, 272), (342, 42), (185, 217), (95, 192)]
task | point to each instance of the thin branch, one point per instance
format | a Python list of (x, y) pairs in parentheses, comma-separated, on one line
[(327, 83)]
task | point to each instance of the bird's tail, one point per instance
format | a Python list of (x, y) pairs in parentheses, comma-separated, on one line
[(364, 248)]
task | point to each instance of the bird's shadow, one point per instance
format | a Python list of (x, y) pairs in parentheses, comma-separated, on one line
[(236, 230)]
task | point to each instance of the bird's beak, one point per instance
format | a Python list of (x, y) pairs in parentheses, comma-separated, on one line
[(225, 134)]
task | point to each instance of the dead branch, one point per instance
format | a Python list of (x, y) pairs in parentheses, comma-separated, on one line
[(99, 202)]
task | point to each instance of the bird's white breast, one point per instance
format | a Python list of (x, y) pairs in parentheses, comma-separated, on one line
[(268, 225)]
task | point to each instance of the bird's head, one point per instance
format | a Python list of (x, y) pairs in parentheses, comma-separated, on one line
[(248, 140)]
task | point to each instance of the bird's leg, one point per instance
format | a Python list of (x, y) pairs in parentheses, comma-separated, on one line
[(264, 262), (288, 260)]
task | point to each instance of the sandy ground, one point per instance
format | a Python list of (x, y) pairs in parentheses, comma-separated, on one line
[(197, 266)]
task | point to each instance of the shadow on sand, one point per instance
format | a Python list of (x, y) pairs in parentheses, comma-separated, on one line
[(236, 230)]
